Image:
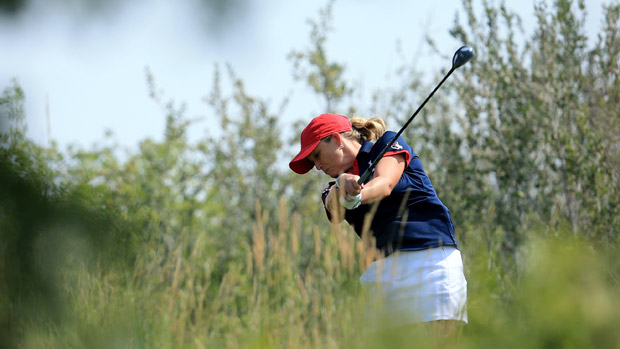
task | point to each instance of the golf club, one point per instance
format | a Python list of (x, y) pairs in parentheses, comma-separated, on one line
[(461, 56)]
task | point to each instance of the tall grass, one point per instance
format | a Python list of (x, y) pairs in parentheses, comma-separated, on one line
[(563, 292)]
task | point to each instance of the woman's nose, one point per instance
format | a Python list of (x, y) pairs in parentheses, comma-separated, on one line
[(317, 165)]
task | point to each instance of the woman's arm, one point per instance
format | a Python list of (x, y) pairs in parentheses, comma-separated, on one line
[(387, 174)]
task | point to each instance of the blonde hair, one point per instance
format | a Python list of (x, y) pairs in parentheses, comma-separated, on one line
[(364, 130)]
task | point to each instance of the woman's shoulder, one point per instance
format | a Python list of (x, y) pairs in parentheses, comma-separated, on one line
[(386, 138)]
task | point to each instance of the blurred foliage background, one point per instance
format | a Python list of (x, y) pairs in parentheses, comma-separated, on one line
[(216, 244), (218, 15)]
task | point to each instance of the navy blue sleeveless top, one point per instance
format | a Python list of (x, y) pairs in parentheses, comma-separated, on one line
[(412, 217)]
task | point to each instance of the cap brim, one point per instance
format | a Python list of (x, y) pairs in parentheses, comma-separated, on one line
[(300, 164)]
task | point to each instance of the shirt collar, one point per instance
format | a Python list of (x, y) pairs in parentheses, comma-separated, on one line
[(365, 149), (362, 155)]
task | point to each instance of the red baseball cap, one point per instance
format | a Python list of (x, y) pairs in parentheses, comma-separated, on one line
[(319, 128)]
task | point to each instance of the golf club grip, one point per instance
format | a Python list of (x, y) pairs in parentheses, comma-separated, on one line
[(372, 166)]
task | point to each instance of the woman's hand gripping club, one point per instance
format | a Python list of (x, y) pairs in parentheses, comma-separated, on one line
[(350, 191)]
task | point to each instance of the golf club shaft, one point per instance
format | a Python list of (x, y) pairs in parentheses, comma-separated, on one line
[(372, 166)]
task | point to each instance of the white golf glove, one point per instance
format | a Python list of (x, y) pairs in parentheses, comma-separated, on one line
[(351, 205)]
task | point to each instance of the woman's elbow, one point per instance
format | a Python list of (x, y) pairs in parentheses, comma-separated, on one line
[(386, 190)]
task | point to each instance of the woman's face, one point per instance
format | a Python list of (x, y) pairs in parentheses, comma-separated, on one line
[(329, 157)]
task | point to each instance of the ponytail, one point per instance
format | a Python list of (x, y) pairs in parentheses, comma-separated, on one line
[(364, 130)]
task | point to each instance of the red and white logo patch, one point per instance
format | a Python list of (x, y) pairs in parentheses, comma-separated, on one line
[(396, 146)]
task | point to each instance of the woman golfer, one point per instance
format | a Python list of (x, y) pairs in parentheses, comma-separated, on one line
[(421, 278)]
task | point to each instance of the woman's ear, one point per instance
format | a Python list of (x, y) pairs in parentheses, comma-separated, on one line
[(337, 138)]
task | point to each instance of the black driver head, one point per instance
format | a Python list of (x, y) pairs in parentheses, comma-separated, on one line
[(462, 56)]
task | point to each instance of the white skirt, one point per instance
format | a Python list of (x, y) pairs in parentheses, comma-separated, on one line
[(417, 286)]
